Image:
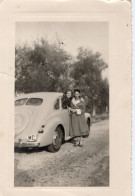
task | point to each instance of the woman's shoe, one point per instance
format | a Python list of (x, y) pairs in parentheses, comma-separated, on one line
[(80, 144), (76, 143)]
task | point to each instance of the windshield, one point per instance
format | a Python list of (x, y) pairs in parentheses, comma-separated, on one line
[(34, 101), (20, 101)]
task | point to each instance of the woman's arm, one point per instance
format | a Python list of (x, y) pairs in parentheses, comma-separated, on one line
[(81, 106), (72, 110)]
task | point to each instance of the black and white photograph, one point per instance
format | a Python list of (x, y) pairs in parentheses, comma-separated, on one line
[(61, 104), (66, 91)]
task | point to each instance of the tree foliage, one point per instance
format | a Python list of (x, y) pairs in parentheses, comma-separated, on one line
[(42, 67), (48, 67), (87, 73)]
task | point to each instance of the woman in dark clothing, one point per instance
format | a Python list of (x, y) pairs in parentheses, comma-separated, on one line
[(66, 100), (78, 125)]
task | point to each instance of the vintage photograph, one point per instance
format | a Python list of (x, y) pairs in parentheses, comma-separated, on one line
[(61, 104)]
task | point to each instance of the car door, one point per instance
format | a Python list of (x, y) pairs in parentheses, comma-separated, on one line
[(63, 115), (66, 119)]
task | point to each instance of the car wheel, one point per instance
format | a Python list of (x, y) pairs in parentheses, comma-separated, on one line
[(88, 133), (57, 140), (88, 122)]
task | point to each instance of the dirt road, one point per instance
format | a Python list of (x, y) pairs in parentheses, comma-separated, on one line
[(71, 166)]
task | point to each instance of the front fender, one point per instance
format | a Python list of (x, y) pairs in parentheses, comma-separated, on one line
[(46, 138), (87, 115)]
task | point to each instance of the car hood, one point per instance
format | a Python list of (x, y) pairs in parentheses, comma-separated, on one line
[(27, 120)]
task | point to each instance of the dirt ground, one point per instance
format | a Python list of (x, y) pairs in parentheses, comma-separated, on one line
[(85, 166)]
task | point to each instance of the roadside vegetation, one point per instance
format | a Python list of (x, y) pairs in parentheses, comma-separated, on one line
[(99, 117), (45, 66)]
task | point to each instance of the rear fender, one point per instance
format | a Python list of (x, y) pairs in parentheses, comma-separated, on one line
[(46, 138)]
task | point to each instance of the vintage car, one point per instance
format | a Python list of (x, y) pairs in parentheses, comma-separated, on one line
[(41, 121)]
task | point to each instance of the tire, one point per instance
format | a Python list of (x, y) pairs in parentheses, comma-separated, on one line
[(88, 122), (88, 133), (57, 140)]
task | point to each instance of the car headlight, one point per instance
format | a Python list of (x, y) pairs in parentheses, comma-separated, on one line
[(31, 138)]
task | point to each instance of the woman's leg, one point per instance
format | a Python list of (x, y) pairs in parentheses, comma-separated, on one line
[(76, 141), (79, 138), (81, 142)]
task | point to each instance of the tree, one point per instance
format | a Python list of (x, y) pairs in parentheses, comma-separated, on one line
[(87, 73), (48, 67), (41, 67), (103, 97)]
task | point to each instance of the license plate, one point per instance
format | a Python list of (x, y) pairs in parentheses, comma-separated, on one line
[(31, 138)]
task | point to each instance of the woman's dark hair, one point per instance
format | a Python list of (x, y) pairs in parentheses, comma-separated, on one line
[(69, 90), (77, 90)]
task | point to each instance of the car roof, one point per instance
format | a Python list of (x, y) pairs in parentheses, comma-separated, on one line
[(46, 95)]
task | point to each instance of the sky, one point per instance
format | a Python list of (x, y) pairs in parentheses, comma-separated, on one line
[(93, 35)]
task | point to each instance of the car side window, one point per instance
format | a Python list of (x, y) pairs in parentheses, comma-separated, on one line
[(64, 104), (56, 105)]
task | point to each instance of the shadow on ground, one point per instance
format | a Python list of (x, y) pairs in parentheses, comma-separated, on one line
[(37, 149)]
